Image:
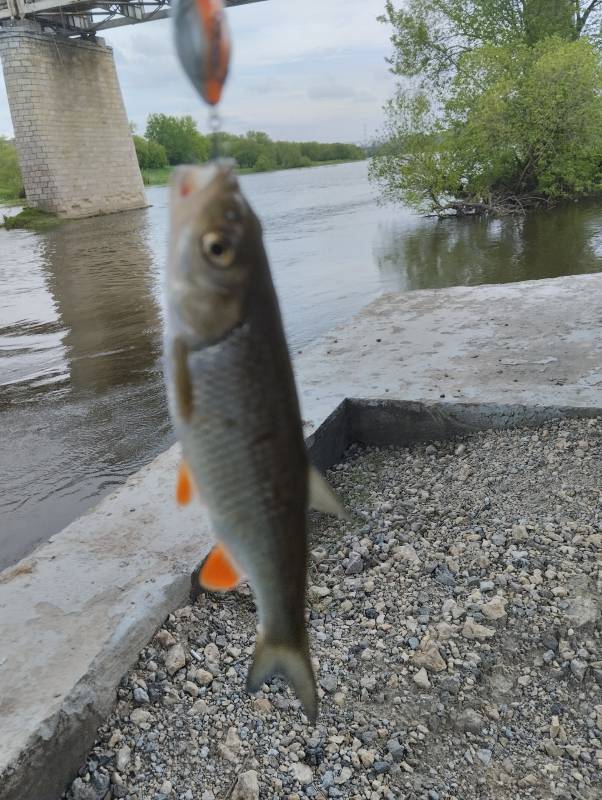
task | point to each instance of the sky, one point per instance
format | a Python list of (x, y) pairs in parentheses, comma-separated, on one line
[(301, 69)]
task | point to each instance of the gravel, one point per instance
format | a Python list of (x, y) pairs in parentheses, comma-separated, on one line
[(455, 629)]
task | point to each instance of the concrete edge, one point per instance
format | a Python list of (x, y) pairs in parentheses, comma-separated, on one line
[(64, 727)]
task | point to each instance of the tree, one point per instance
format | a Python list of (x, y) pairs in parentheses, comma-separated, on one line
[(151, 154), (179, 136), (505, 109), (11, 181)]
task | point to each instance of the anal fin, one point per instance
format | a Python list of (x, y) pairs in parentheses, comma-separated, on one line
[(217, 573)]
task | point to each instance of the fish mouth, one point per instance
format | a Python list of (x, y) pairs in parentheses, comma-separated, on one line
[(191, 178)]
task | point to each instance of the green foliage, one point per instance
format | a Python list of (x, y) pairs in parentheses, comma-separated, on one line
[(151, 154), (11, 182), (258, 152), (179, 136), (509, 113), (175, 140)]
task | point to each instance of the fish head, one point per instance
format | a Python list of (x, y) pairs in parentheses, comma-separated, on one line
[(214, 244)]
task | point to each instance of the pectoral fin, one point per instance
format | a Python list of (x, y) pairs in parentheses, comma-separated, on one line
[(184, 485), (322, 497), (218, 574)]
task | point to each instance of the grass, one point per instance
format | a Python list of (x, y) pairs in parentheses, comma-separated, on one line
[(160, 177), (32, 219)]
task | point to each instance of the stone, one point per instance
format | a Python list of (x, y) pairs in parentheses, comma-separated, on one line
[(302, 773), (140, 716), (166, 788), (429, 657), (200, 707), (473, 630), (141, 696), (484, 756), (82, 791), (123, 757), (175, 659), (191, 688), (470, 721), (582, 611), (495, 609), (329, 683), (233, 740), (367, 757), (263, 705), (421, 679), (165, 639), (203, 677), (355, 564), (318, 592), (406, 552), (579, 668)]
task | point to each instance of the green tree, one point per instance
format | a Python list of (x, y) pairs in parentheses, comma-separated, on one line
[(11, 181), (151, 154), (506, 106), (179, 136)]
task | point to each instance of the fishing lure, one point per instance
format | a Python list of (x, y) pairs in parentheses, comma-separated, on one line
[(203, 45)]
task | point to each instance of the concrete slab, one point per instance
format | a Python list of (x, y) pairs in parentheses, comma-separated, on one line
[(536, 342), (75, 613)]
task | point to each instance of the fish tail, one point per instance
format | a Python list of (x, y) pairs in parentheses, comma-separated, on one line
[(293, 663)]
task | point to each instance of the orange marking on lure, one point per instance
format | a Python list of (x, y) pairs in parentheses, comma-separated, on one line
[(218, 573), (218, 51), (185, 189), (184, 485)]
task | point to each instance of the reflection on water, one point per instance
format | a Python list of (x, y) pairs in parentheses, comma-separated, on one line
[(81, 395), (437, 253)]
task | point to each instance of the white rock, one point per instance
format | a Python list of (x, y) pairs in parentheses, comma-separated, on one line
[(421, 679), (472, 630), (494, 609), (247, 786), (124, 755), (406, 552), (175, 659), (302, 773), (139, 716), (204, 677), (428, 656), (233, 740)]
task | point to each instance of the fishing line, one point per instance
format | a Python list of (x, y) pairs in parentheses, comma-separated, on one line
[(215, 125)]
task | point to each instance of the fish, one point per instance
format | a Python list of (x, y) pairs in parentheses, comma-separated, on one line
[(203, 45), (234, 407)]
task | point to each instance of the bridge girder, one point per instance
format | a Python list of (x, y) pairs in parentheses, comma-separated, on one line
[(87, 17)]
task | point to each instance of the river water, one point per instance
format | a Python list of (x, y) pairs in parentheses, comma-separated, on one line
[(81, 397)]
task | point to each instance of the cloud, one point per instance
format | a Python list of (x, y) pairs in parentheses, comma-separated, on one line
[(313, 69)]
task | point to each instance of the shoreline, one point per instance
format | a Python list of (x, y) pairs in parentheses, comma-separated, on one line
[(161, 176)]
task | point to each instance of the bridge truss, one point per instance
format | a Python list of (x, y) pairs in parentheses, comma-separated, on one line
[(85, 18)]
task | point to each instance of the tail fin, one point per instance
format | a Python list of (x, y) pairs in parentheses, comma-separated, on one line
[(293, 664)]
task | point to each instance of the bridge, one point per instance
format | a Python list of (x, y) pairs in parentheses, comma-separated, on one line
[(71, 129)]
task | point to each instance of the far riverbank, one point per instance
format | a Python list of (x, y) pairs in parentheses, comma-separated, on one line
[(160, 177)]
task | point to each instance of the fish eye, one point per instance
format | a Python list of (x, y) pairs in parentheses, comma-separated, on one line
[(218, 249)]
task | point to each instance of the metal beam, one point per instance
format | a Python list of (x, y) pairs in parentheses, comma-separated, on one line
[(86, 17)]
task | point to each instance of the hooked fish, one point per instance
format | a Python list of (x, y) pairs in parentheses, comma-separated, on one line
[(234, 406), (203, 45)]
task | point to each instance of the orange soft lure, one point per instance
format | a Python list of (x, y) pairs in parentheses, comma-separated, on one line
[(203, 45)]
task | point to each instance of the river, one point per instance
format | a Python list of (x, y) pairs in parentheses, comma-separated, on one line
[(81, 397)]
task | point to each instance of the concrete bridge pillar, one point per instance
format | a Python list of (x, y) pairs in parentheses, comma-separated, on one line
[(71, 129)]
